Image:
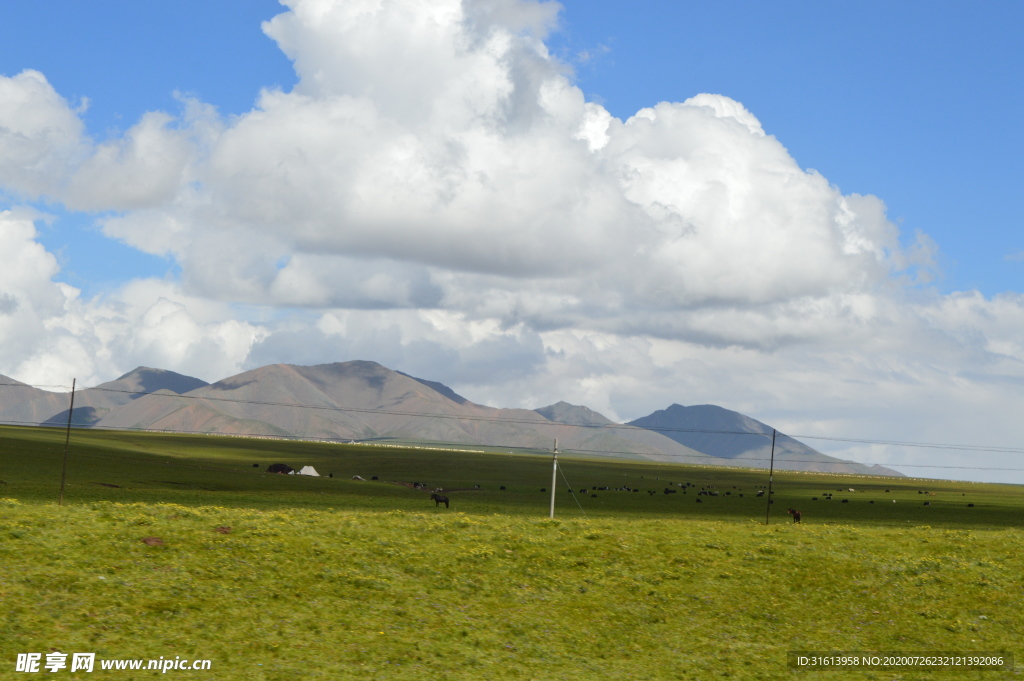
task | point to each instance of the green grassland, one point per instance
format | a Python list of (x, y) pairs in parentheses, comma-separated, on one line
[(333, 578)]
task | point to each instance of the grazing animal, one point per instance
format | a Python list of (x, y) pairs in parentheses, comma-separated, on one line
[(795, 513), (970, 505), (927, 503), (503, 488), (438, 500)]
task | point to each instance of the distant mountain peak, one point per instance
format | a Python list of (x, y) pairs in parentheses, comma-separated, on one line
[(573, 414), (440, 388), (367, 401), (147, 379)]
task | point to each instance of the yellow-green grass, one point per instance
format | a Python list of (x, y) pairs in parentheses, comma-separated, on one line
[(336, 579), (211, 470), (338, 594)]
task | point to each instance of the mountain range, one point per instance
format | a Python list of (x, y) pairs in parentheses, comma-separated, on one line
[(366, 402)]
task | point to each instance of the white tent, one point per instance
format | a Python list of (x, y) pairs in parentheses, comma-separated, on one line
[(309, 470)]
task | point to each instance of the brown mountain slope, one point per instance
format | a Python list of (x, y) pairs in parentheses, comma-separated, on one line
[(366, 401), (92, 404), (747, 442), (14, 392)]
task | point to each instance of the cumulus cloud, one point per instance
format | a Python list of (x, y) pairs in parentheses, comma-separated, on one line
[(440, 145), (49, 334), (46, 153), (436, 194), (41, 137)]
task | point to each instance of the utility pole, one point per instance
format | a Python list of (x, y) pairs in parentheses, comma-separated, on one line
[(554, 473), (67, 441), (771, 470)]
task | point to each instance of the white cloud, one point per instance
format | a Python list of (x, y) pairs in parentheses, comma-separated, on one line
[(41, 137), (443, 138), (44, 151), (436, 194), (49, 334), (144, 168)]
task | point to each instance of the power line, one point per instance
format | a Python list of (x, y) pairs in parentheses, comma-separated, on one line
[(678, 458), (547, 422), (931, 445), (571, 491), (458, 417), (606, 426)]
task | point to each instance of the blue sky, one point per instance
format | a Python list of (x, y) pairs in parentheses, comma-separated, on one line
[(914, 102), (378, 199), (127, 58)]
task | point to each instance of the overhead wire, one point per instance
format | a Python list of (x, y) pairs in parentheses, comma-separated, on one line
[(561, 472), (524, 421), (460, 417), (607, 426), (460, 446)]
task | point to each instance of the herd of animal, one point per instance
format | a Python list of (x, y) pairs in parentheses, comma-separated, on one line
[(673, 488)]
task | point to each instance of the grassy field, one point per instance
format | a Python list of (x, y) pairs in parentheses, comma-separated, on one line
[(337, 579)]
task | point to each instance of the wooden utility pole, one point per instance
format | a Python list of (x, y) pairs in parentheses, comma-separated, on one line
[(554, 473), (67, 441), (771, 470)]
